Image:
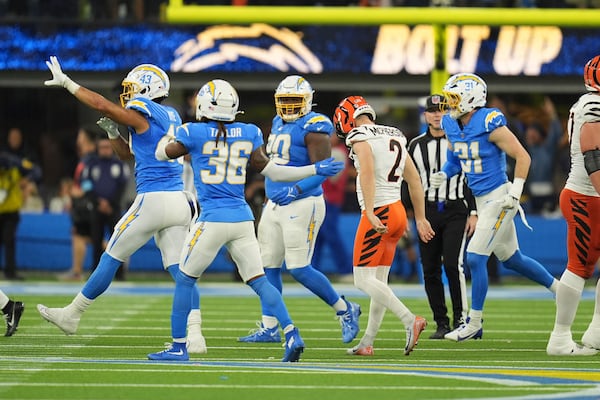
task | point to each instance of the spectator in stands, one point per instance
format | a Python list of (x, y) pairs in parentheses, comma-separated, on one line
[(543, 135), (61, 202), (100, 181), (15, 144), (82, 205), (108, 176), (14, 173)]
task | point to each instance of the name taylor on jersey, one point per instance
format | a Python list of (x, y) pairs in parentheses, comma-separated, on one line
[(231, 132)]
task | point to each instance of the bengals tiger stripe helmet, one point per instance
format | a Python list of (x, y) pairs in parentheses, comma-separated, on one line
[(591, 75), (347, 111)]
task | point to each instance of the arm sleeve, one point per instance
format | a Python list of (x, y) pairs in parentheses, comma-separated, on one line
[(310, 183), (282, 173)]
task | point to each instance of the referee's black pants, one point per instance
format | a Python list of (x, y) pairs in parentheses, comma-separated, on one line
[(448, 222)]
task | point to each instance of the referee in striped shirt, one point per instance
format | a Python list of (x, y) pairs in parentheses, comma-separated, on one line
[(452, 213)]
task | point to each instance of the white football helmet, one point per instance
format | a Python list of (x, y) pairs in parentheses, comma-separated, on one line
[(217, 100), (463, 93), (293, 98), (145, 80)]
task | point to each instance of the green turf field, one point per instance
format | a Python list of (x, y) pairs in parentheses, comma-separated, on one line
[(107, 357)]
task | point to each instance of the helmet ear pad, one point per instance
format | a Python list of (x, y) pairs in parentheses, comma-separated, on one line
[(591, 74)]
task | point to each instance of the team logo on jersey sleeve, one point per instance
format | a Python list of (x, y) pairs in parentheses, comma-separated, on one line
[(318, 123), (494, 120), (139, 106)]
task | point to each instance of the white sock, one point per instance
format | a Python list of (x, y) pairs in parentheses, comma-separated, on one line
[(553, 287), (475, 317), (568, 295), (366, 340), (194, 322), (3, 300), (380, 292), (596, 317), (376, 314), (288, 328), (340, 305), (269, 322), (79, 304)]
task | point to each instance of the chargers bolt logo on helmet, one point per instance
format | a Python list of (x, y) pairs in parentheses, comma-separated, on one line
[(347, 111), (145, 80), (293, 98), (464, 93), (217, 100)]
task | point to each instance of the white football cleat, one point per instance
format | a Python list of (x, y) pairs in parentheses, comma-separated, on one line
[(58, 316), (591, 338), (466, 331), (563, 345), (196, 344)]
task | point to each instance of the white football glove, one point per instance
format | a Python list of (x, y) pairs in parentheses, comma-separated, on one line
[(508, 201), (59, 78), (110, 127), (511, 199), (436, 180)]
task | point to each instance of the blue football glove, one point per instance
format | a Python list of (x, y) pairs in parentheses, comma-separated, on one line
[(285, 196), (329, 167)]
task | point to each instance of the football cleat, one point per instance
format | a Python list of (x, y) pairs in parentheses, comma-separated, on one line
[(349, 321), (466, 331), (196, 344), (173, 352), (58, 316), (591, 338), (563, 345), (360, 351), (440, 332), (13, 317), (294, 346), (262, 335), (413, 332)]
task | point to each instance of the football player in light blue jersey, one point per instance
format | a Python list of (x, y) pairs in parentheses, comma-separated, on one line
[(479, 141), (291, 219), (220, 150), (161, 208)]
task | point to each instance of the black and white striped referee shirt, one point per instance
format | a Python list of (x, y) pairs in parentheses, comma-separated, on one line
[(429, 155)]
